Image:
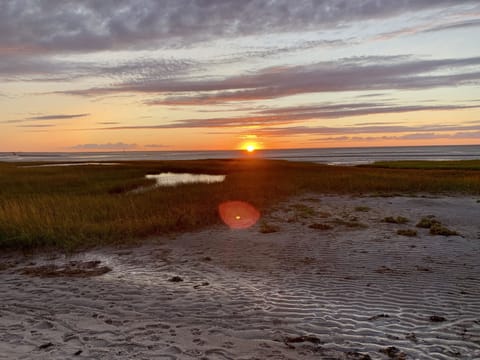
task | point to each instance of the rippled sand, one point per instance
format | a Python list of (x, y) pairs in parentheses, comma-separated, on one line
[(349, 292)]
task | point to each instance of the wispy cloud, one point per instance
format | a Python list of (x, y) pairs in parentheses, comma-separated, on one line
[(45, 68), (432, 26), (349, 130), (46, 118), (155, 146), (36, 125), (289, 115), (456, 25), (58, 117), (107, 146), (411, 136), (348, 74)]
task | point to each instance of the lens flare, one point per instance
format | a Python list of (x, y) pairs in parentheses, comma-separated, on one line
[(250, 148), (238, 214)]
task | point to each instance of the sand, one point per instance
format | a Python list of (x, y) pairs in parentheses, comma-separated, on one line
[(350, 292)]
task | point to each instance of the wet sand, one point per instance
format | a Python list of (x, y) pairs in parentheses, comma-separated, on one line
[(356, 290)]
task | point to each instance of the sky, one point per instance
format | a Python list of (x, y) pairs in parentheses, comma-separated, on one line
[(168, 75)]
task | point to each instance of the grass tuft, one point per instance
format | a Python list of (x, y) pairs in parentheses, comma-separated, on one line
[(350, 224), (439, 229), (266, 228), (312, 199), (320, 226), (303, 211), (397, 220), (407, 232), (427, 222), (362, 208)]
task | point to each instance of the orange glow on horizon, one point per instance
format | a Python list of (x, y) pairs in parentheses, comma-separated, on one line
[(249, 146)]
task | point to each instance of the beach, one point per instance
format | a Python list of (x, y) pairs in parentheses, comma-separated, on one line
[(239, 180), (318, 277)]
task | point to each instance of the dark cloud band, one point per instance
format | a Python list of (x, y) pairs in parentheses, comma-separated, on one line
[(38, 26)]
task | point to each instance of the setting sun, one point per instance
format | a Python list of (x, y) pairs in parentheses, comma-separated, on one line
[(250, 148)]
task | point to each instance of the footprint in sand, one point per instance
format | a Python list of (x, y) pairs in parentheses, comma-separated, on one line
[(199, 342), (228, 345), (196, 331), (194, 353)]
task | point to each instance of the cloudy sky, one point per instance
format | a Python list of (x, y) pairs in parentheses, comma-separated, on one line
[(98, 75)]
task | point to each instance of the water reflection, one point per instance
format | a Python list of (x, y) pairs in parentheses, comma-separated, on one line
[(172, 179)]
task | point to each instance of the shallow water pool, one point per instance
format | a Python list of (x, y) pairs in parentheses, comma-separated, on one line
[(172, 179)]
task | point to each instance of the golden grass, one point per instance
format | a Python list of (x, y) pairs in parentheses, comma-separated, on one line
[(397, 220), (81, 206), (266, 228), (407, 232), (423, 164)]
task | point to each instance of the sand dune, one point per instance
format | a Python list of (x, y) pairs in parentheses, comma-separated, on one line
[(355, 291)]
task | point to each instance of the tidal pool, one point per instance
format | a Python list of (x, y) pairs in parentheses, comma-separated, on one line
[(172, 179)]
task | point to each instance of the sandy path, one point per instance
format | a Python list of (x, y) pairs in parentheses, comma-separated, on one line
[(358, 292)]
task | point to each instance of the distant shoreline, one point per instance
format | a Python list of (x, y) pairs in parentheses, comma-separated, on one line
[(335, 156)]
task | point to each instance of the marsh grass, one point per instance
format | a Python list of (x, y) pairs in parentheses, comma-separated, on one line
[(362, 208), (352, 223), (266, 228), (427, 222), (439, 229), (407, 232), (435, 226), (324, 214), (320, 226), (397, 220), (303, 211), (311, 199), (82, 206), (423, 164)]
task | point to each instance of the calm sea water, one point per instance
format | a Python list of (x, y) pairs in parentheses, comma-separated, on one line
[(336, 156)]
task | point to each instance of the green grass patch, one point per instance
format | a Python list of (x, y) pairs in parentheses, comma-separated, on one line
[(83, 206)]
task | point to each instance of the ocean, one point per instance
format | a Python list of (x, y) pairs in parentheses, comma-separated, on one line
[(332, 156)]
